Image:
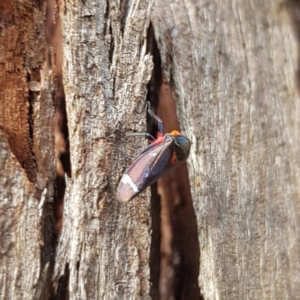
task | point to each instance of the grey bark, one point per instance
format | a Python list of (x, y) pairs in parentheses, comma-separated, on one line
[(232, 67), (104, 244), (103, 249)]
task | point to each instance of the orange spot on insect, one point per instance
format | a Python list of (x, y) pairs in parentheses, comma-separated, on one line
[(197, 183), (174, 158), (174, 133)]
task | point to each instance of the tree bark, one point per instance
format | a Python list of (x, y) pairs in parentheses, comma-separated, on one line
[(27, 154), (232, 66), (104, 244)]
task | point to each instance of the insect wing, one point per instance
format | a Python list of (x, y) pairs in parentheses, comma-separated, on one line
[(146, 169)]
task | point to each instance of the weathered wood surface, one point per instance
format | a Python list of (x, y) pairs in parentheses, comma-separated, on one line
[(104, 244), (26, 154), (19, 229), (232, 66)]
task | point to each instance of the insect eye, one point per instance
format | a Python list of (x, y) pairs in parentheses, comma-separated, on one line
[(180, 155), (183, 146)]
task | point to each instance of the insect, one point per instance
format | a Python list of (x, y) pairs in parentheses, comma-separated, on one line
[(163, 154)]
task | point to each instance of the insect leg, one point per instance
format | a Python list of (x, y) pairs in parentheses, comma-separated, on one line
[(119, 131), (125, 156), (146, 134), (159, 121)]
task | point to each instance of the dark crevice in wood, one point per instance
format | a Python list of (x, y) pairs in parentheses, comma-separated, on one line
[(62, 291), (48, 237), (63, 126), (40, 4), (112, 46), (47, 248), (156, 77), (59, 192), (63, 165), (155, 243), (29, 164), (54, 61), (124, 7), (186, 250), (109, 29), (63, 155), (30, 113), (173, 275), (152, 96)]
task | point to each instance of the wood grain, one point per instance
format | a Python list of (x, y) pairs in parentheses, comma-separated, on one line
[(232, 65), (104, 244)]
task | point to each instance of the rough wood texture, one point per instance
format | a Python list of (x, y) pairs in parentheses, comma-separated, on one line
[(26, 210), (232, 65), (104, 246), (26, 123), (22, 43), (19, 221)]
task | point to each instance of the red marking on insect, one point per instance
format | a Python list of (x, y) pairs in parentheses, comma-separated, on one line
[(174, 158), (158, 140), (163, 154)]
